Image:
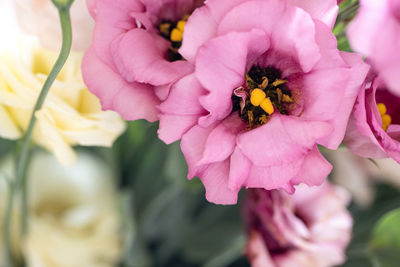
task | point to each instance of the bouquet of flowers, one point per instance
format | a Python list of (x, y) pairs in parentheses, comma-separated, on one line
[(283, 114)]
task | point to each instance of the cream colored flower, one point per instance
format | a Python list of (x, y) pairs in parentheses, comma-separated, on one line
[(359, 175), (74, 218), (71, 114), (40, 18)]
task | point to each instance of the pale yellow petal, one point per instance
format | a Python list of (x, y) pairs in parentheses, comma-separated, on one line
[(8, 129)]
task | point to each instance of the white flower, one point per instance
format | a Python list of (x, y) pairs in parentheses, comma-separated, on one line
[(73, 214), (358, 174), (71, 114)]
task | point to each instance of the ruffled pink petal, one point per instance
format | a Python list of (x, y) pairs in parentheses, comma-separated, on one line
[(359, 137), (215, 176), (374, 33), (386, 56), (250, 15), (389, 144), (112, 19), (91, 4), (181, 110), (283, 139), (359, 70), (292, 29), (314, 170), (239, 169), (202, 26), (220, 68), (215, 180), (222, 140), (168, 9), (124, 95), (324, 88), (192, 146), (257, 252), (140, 56), (394, 131), (294, 35), (325, 11), (363, 30), (198, 30), (273, 176), (385, 141), (184, 97), (173, 127)]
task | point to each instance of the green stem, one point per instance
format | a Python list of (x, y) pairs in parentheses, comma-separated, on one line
[(62, 58), (7, 225), (348, 12), (23, 158)]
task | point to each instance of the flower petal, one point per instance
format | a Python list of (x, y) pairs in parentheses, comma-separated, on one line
[(215, 180), (112, 19), (222, 140), (124, 96), (359, 70), (325, 11), (314, 171), (283, 139), (173, 127), (221, 68), (144, 61)]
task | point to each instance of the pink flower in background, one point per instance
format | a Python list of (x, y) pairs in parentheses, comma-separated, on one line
[(375, 33), (269, 85), (374, 127), (309, 228), (134, 55)]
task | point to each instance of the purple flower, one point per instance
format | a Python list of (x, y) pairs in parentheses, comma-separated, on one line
[(269, 85), (134, 56), (309, 228), (374, 127), (375, 33)]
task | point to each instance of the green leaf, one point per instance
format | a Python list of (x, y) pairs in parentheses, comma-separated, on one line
[(385, 242)]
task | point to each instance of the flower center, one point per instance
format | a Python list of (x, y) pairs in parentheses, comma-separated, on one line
[(173, 32), (386, 118), (264, 93)]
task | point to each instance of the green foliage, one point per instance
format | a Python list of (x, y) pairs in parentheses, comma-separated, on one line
[(385, 242)]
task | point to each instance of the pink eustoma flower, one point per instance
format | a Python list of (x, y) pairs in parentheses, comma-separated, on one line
[(133, 58), (309, 228), (374, 127), (269, 85), (375, 33)]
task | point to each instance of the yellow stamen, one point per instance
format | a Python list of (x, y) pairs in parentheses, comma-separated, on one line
[(257, 96), (278, 82), (287, 99), (250, 117), (176, 35), (164, 28), (181, 25), (267, 106), (386, 121), (381, 108), (280, 95), (264, 83), (263, 119)]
